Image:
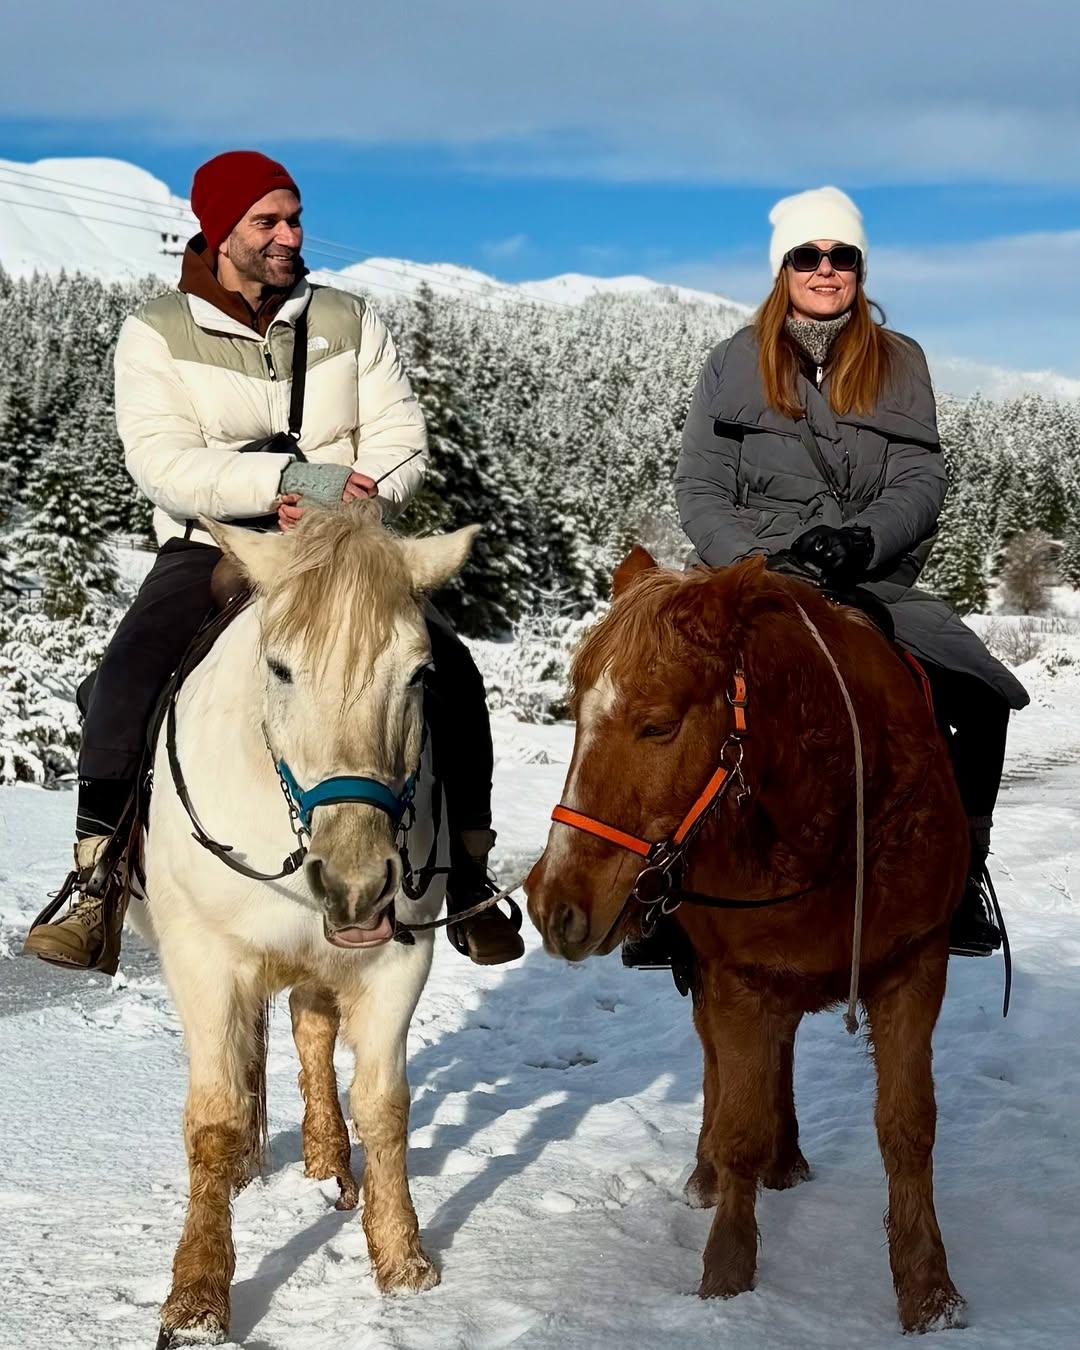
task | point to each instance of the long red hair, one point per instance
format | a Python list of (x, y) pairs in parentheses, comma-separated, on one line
[(858, 363)]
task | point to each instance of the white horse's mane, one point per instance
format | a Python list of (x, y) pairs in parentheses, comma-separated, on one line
[(346, 578)]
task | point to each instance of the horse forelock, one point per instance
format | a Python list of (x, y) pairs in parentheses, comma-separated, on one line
[(344, 585), (665, 617)]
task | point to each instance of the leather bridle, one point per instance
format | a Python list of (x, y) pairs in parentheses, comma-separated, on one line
[(658, 886)]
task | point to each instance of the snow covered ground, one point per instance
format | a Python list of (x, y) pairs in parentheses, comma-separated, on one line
[(555, 1116)]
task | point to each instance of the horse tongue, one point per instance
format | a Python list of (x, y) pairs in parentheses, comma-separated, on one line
[(379, 932)]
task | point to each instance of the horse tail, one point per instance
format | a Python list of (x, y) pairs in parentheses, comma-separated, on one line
[(260, 1128)]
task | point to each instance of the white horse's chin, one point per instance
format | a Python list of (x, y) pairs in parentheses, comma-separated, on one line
[(380, 930)]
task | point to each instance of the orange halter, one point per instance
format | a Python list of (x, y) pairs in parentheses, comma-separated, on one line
[(655, 884)]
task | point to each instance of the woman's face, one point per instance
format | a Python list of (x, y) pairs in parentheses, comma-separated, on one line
[(823, 294)]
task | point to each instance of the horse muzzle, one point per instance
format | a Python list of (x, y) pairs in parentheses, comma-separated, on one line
[(563, 912), (355, 904)]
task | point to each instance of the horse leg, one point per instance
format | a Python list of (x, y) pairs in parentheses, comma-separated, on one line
[(743, 1031), (701, 1189), (220, 1019), (787, 1167), (327, 1149), (375, 1022), (902, 1015)]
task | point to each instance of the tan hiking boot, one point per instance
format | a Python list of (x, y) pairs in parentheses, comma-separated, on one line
[(492, 938), (88, 936)]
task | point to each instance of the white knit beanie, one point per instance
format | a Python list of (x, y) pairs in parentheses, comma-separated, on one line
[(821, 213)]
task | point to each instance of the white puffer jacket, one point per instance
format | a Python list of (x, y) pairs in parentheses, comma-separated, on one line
[(194, 385)]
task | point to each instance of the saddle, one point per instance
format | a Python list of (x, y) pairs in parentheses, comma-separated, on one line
[(867, 603)]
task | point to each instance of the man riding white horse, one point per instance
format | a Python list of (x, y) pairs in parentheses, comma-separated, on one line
[(203, 394)]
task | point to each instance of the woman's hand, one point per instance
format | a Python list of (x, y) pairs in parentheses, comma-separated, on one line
[(842, 555)]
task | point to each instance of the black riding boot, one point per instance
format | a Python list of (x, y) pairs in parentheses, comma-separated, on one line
[(666, 948), (973, 931), (975, 721), (461, 743)]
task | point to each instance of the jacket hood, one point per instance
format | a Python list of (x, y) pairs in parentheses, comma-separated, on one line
[(198, 278)]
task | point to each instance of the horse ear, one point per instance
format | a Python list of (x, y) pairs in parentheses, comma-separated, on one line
[(434, 560), (259, 555), (638, 560)]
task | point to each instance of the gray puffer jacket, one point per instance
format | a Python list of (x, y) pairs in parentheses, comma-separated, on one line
[(748, 483)]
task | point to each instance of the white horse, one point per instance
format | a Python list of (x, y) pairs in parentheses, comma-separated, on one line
[(322, 675)]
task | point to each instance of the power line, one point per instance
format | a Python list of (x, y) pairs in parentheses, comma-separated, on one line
[(73, 196), (78, 215), (105, 192), (345, 252), (344, 282)]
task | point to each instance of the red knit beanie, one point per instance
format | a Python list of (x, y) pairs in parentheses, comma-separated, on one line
[(226, 186)]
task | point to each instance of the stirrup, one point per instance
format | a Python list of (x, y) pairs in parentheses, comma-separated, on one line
[(457, 933)]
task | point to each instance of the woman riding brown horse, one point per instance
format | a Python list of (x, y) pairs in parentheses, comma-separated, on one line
[(812, 440), (708, 716)]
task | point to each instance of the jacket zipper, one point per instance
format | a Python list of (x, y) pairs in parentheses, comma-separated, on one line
[(271, 370), (839, 498)]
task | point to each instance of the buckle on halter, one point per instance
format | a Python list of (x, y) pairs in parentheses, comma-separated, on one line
[(737, 698), (734, 746), (654, 885)]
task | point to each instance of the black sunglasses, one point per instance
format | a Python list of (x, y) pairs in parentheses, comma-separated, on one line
[(807, 257)]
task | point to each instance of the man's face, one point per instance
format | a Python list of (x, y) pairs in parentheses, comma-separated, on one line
[(265, 246)]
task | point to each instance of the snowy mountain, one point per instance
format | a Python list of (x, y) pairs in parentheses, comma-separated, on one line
[(113, 220), (99, 216)]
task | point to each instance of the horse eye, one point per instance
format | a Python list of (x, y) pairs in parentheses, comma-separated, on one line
[(657, 729), (421, 673), (280, 672)]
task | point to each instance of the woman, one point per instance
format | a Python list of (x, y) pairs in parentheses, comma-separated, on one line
[(812, 439)]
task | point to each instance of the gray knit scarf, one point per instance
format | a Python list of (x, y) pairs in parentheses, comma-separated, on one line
[(816, 336)]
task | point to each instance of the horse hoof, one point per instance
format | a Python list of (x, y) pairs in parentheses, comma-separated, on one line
[(941, 1310), (700, 1191), (194, 1314), (724, 1285), (783, 1178), (414, 1276), (349, 1196), (204, 1333)]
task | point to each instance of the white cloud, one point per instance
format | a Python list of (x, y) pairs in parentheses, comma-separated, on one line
[(512, 247), (716, 90)]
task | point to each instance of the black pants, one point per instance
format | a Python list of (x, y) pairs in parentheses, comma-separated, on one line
[(118, 700), (975, 719)]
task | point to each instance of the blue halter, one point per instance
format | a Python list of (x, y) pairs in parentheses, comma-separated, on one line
[(347, 788)]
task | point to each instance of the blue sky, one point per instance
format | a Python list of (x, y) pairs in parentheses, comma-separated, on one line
[(616, 137)]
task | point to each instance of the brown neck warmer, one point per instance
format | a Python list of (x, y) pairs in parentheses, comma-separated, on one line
[(197, 277)]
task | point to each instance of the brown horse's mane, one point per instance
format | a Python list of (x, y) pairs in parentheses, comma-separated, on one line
[(663, 616)]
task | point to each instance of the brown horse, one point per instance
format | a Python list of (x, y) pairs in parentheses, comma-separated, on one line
[(655, 689)]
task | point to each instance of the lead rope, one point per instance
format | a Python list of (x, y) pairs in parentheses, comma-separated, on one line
[(851, 1018)]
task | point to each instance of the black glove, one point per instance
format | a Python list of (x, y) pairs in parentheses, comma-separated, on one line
[(842, 556), (788, 565)]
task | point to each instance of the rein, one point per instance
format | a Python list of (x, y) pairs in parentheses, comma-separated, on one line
[(302, 803), (658, 884)]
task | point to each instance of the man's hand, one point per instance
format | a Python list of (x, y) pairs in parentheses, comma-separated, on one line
[(359, 486), (289, 510)]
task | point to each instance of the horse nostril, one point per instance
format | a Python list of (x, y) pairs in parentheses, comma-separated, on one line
[(316, 878), (571, 923)]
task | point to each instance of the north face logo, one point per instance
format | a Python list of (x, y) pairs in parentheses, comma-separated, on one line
[(317, 344)]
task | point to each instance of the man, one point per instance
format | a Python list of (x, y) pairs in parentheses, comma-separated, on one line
[(203, 385)]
